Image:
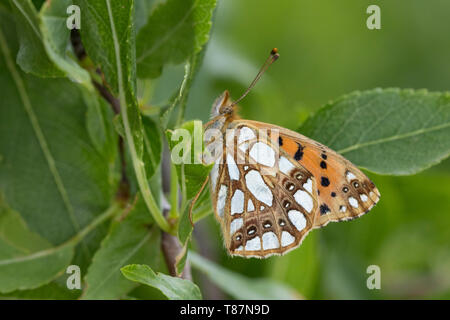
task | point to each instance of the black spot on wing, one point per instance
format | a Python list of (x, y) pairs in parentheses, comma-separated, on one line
[(280, 141), (324, 156), (323, 164), (324, 209), (333, 194), (299, 154), (325, 182)]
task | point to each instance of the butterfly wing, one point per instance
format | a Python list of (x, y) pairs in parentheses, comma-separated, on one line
[(343, 191), (264, 200)]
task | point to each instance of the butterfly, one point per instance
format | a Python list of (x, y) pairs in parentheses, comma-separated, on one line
[(271, 186)]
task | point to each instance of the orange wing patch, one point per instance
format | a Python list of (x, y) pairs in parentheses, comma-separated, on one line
[(344, 192)]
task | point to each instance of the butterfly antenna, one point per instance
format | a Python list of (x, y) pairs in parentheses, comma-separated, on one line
[(274, 55)]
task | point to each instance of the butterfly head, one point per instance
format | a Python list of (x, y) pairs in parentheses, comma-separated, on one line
[(222, 106)]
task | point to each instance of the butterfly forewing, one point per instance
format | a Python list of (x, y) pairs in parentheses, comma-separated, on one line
[(344, 192)]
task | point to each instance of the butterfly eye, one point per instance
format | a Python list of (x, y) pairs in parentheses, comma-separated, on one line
[(251, 230), (267, 224), (286, 204), (356, 184), (281, 222), (345, 189)]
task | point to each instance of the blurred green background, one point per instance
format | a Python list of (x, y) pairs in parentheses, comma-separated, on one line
[(326, 51)]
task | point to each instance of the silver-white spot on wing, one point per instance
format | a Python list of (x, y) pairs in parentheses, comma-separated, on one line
[(285, 165), (257, 186), (214, 175), (221, 199), (304, 199), (342, 208), (363, 197), (353, 202), (297, 219), (270, 241), (235, 225), (250, 206), (237, 202), (233, 170), (254, 244), (263, 154), (240, 248), (308, 185), (286, 239), (245, 134), (350, 176)]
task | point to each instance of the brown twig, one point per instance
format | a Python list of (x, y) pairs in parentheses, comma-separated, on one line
[(170, 245), (171, 248), (78, 47)]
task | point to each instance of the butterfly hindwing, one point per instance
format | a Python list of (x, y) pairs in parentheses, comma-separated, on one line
[(262, 210)]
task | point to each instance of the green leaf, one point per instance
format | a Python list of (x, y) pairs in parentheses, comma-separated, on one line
[(152, 146), (56, 39), (142, 12), (50, 171), (99, 126), (51, 291), (32, 56), (191, 172), (133, 240), (388, 131), (172, 287), (241, 287), (180, 99), (44, 41), (176, 30), (110, 43)]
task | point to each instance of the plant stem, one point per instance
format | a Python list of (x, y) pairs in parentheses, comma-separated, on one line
[(173, 213), (138, 164)]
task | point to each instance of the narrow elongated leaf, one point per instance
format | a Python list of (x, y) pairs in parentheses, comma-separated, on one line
[(241, 287), (172, 287), (176, 30), (388, 131), (110, 42), (57, 189), (133, 240), (152, 146)]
